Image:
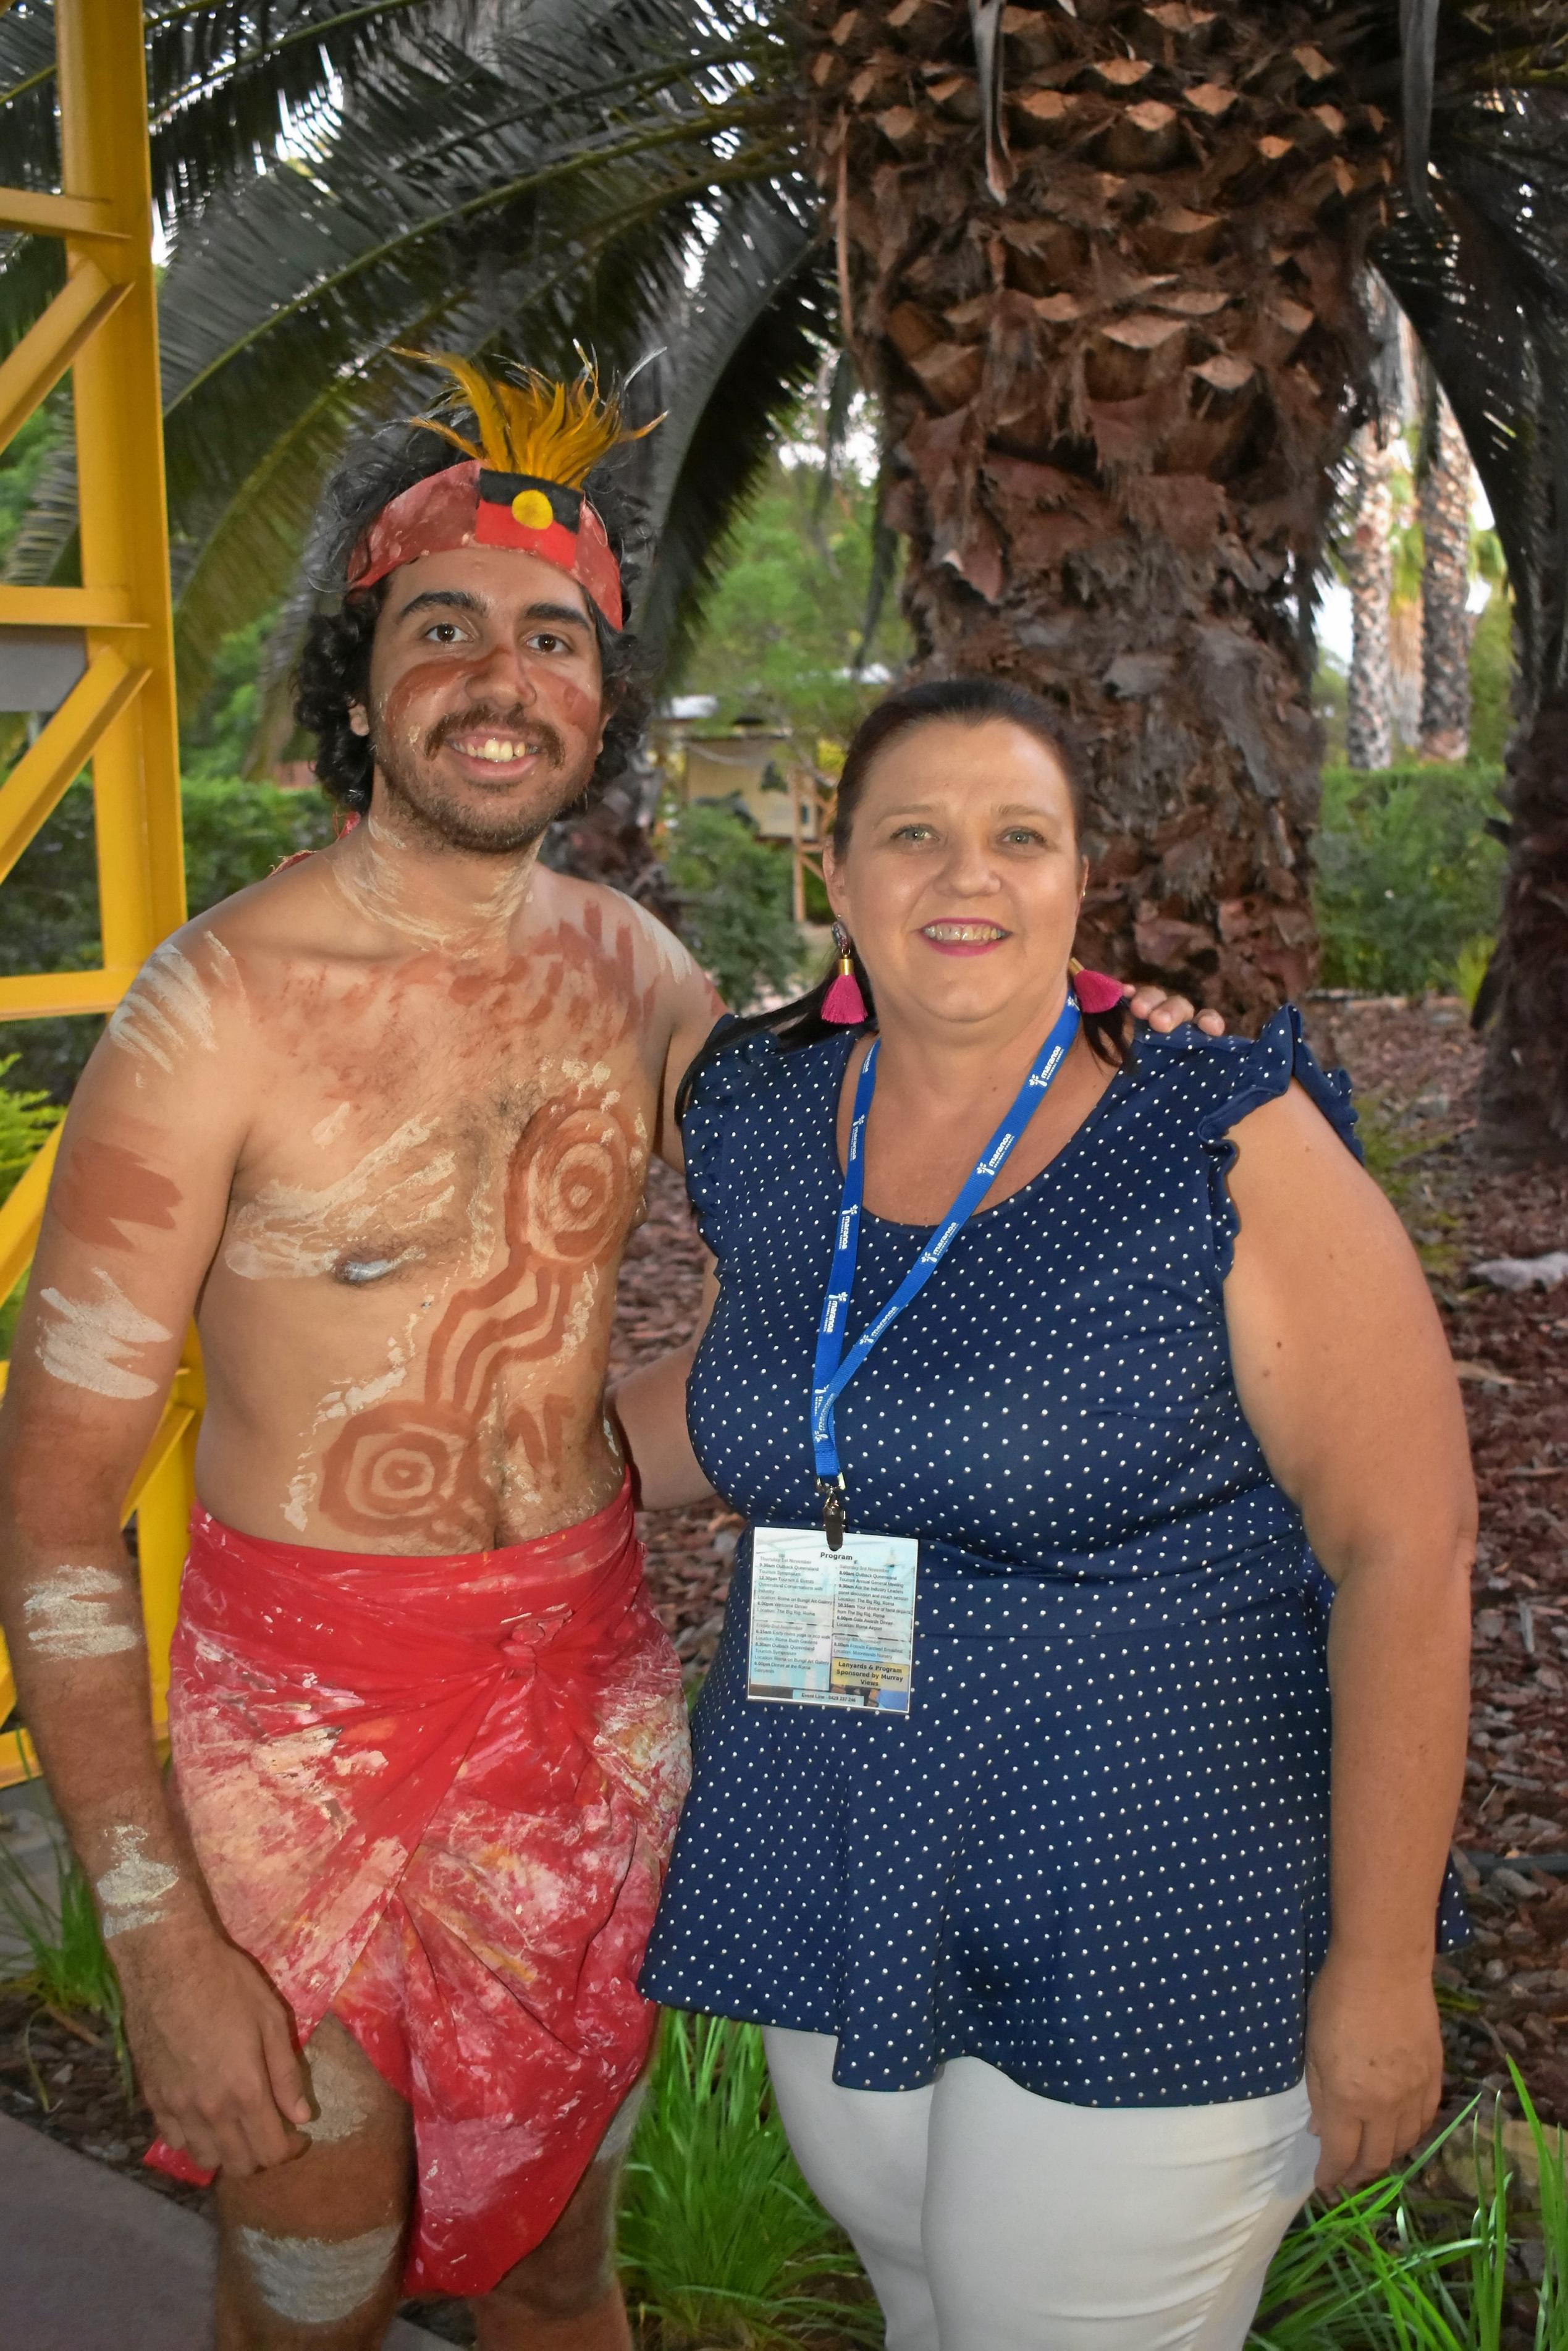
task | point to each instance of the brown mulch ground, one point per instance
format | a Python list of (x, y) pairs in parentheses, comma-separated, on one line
[(1415, 1070), (1506, 1994)]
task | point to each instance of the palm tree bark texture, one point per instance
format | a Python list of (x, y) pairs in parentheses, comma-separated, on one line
[(1118, 349), (1369, 568), (1445, 587)]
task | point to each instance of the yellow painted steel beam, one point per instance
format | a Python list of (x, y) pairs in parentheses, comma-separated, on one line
[(31, 371), (31, 210), (20, 1217), (66, 608), (48, 995), (119, 473), (104, 326), (38, 782)]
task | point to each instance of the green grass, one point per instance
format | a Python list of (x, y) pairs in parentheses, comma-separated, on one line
[(1382, 2270), (721, 2240), (60, 1959), (722, 2243)]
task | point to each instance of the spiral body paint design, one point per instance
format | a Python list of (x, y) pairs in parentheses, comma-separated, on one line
[(419, 1466)]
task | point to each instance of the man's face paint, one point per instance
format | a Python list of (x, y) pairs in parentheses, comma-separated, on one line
[(485, 711)]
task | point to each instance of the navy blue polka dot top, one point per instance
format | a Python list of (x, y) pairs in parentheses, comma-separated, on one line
[(1094, 1854)]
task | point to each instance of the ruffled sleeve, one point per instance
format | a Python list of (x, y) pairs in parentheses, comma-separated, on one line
[(707, 1129), (1260, 1073)]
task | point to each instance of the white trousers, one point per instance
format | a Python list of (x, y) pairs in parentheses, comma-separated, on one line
[(990, 2219)]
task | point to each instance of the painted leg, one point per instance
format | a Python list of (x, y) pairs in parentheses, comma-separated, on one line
[(564, 2296), (311, 2253)]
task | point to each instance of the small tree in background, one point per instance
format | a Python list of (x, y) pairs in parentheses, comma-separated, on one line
[(734, 896), (1369, 572), (1446, 480)]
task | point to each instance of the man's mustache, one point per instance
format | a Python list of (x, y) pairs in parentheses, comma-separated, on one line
[(520, 725)]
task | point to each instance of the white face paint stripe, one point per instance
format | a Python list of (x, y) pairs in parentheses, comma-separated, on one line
[(89, 1343), (134, 1892), (313, 2281), (71, 1614)]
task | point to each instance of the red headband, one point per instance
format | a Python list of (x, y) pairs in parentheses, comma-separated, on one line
[(468, 506)]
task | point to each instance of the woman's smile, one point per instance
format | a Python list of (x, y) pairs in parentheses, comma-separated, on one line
[(963, 939)]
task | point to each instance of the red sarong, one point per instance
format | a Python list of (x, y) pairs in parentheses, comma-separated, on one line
[(436, 1796)]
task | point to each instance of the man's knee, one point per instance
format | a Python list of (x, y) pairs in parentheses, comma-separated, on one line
[(574, 2269), (340, 2291)]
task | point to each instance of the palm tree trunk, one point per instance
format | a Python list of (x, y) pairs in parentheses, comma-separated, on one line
[(1445, 589), (1369, 704), (1113, 397), (1524, 1102)]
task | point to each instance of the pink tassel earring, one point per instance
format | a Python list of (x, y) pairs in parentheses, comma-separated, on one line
[(1096, 991), (843, 1004)]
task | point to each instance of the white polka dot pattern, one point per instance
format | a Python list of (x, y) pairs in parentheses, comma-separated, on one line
[(1095, 1853)]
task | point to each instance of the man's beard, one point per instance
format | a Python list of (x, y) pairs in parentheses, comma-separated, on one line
[(495, 828)]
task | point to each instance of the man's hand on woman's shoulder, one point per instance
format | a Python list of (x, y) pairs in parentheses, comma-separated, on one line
[(1149, 1001)]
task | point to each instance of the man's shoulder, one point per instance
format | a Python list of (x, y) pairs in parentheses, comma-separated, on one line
[(625, 927)]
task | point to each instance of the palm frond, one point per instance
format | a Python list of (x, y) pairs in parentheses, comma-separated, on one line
[(751, 337)]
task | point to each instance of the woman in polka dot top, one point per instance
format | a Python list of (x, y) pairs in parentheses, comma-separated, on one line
[(1075, 1972)]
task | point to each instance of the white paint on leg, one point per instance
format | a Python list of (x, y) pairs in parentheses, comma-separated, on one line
[(76, 1612), (91, 1342), (338, 2085), (314, 2280), (136, 1890)]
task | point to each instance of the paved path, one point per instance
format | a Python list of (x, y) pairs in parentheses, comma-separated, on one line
[(90, 2261)]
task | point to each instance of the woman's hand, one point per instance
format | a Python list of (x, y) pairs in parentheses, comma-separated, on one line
[(1374, 2066)]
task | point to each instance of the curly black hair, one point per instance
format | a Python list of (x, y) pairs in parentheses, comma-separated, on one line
[(333, 669)]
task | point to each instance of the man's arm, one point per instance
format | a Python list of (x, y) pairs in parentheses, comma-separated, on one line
[(135, 1212), (1343, 1371)]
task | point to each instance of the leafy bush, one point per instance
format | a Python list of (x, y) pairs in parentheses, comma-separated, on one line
[(721, 2240), (734, 890), (1407, 876), (26, 1118), (66, 1962), (235, 833)]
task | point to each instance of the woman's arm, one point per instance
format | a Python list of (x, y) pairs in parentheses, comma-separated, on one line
[(1344, 1373), (649, 1407)]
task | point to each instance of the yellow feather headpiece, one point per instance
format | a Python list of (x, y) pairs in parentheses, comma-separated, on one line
[(528, 422)]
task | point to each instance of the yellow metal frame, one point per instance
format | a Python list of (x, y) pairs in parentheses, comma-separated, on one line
[(121, 715)]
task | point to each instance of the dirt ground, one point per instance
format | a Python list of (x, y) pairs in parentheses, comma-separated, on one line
[(1507, 1992)]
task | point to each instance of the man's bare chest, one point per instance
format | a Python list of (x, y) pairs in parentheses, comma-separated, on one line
[(440, 1151)]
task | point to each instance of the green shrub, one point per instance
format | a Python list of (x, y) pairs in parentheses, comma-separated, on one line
[(721, 2240), (26, 1118), (65, 1962), (1407, 876), (734, 890)]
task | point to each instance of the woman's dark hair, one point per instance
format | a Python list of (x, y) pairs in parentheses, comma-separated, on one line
[(961, 701), (333, 670)]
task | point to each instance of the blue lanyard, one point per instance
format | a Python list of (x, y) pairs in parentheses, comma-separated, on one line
[(832, 1375)]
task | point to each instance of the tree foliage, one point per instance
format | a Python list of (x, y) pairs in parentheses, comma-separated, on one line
[(734, 894)]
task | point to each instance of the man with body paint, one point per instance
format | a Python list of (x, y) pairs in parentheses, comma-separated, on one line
[(382, 1123)]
